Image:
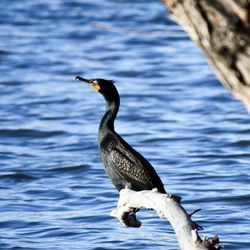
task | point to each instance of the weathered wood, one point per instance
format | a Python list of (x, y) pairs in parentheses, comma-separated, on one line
[(166, 207), (221, 28)]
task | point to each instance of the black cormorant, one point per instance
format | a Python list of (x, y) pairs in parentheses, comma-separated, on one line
[(124, 165)]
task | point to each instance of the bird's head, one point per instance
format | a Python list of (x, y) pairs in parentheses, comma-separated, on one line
[(105, 87)]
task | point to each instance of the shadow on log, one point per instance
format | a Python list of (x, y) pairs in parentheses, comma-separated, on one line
[(222, 30), (167, 207)]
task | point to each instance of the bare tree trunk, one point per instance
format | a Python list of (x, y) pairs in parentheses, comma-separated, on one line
[(168, 207), (221, 28)]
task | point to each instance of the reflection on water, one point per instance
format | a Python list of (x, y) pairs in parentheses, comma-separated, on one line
[(54, 193)]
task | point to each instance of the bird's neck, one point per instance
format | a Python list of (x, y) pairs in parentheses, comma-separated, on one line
[(107, 122)]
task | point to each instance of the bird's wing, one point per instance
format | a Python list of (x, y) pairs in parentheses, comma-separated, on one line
[(131, 164)]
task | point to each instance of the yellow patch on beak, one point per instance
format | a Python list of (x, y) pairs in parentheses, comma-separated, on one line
[(95, 87)]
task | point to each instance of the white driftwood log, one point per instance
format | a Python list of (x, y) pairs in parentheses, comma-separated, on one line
[(167, 207)]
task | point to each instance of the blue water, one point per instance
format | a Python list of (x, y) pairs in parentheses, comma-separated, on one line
[(54, 192)]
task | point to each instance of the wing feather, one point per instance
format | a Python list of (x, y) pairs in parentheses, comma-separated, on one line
[(125, 166)]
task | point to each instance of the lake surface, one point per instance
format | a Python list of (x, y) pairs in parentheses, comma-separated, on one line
[(54, 192)]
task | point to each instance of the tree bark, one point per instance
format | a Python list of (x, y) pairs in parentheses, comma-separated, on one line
[(168, 207), (221, 28)]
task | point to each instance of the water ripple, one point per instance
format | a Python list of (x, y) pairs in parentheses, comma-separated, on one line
[(30, 133), (17, 177)]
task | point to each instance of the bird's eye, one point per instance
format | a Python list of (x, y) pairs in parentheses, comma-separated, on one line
[(95, 82)]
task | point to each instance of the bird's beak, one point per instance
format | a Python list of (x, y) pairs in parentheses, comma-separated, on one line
[(92, 83)]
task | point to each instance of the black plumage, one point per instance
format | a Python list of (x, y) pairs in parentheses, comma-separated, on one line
[(124, 165)]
